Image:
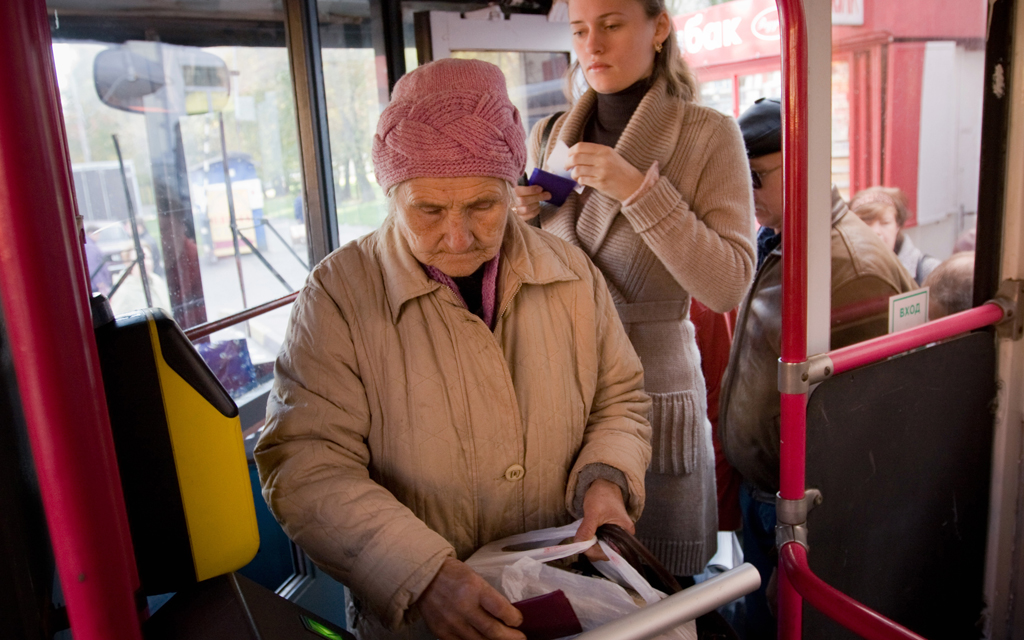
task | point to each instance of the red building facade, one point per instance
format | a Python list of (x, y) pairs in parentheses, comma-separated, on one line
[(906, 91)]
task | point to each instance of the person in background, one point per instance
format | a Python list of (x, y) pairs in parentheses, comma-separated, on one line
[(863, 271), (967, 240), (714, 338), (884, 209), (99, 271), (951, 286), (154, 257), (666, 214), (452, 378)]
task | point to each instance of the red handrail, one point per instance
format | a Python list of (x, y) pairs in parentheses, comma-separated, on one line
[(795, 579), (793, 27), (882, 347), (44, 292), (860, 310), (835, 604)]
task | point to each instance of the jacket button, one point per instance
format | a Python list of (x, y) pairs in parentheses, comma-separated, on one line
[(515, 472)]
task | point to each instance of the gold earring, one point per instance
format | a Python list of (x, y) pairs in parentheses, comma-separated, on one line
[(657, 47)]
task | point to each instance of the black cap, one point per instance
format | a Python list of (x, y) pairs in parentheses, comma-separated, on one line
[(761, 126)]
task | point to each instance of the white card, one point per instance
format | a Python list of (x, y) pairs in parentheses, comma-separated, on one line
[(557, 160)]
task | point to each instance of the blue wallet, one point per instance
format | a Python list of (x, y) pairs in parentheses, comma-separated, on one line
[(557, 186)]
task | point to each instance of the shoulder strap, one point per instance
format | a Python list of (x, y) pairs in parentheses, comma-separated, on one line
[(545, 136)]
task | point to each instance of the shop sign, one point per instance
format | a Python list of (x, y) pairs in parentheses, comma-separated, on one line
[(849, 12), (743, 30), (729, 32)]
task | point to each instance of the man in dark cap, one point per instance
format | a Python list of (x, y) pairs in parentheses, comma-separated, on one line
[(864, 274)]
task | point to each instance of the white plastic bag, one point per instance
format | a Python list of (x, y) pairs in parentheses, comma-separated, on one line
[(516, 567)]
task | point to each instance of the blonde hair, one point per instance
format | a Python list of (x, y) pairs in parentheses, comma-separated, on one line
[(871, 203), (668, 63)]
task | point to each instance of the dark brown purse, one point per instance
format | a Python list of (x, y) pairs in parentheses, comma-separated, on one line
[(639, 557), (710, 626)]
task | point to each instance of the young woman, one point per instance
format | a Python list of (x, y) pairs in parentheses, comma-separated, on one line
[(666, 214)]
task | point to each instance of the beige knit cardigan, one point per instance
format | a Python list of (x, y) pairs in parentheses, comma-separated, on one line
[(689, 233)]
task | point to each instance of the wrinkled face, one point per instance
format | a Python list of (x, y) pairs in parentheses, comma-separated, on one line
[(886, 228), (614, 41), (453, 224), (768, 199)]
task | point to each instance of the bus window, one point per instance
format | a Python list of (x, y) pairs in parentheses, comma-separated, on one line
[(193, 109), (532, 51), (907, 92), (409, 11), (718, 94), (841, 126), (535, 80), (759, 85), (356, 88)]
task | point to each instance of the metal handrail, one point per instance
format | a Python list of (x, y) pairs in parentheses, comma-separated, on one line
[(679, 608), (207, 328)]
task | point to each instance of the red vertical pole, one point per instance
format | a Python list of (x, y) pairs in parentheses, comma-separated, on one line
[(793, 27), (794, 237), (46, 311)]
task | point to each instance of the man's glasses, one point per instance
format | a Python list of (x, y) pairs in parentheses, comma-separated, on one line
[(757, 177)]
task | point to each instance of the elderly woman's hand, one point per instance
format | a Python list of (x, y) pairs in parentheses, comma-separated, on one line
[(459, 605), (602, 505), (602, 168), (528, 201)]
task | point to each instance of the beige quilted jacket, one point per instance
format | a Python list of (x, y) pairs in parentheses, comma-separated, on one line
[(401, 430)]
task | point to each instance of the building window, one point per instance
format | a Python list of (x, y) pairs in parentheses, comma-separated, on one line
[(718, 95)]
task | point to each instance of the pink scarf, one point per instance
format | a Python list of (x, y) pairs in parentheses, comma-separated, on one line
[(489, 298)]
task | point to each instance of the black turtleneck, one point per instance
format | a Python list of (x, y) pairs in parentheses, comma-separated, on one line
[(612, 113)]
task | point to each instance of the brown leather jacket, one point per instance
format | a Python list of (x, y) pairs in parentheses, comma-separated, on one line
[(864, 274)]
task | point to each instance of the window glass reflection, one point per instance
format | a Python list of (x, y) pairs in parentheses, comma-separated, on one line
[(841, 127), (352, 88), (759, 85), (535, 80), (717, 94), (181, 116), (356, 90), (905, 102)]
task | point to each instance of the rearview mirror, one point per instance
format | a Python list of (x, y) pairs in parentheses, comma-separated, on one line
[(142, 77)]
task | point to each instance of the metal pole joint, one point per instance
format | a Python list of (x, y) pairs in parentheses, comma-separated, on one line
[(795, 511), (791, 516), (797, 377), (786, 533), (1010, 297)]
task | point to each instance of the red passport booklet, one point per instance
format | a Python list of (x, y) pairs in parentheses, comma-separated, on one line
[(548, 617)]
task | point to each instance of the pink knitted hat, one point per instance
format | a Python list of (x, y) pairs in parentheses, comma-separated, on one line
[(448, 119)]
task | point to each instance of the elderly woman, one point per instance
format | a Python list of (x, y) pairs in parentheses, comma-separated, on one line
[(453, 378), (884, 209)]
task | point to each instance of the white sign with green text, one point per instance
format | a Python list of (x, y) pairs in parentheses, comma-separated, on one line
[(908, 310)]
